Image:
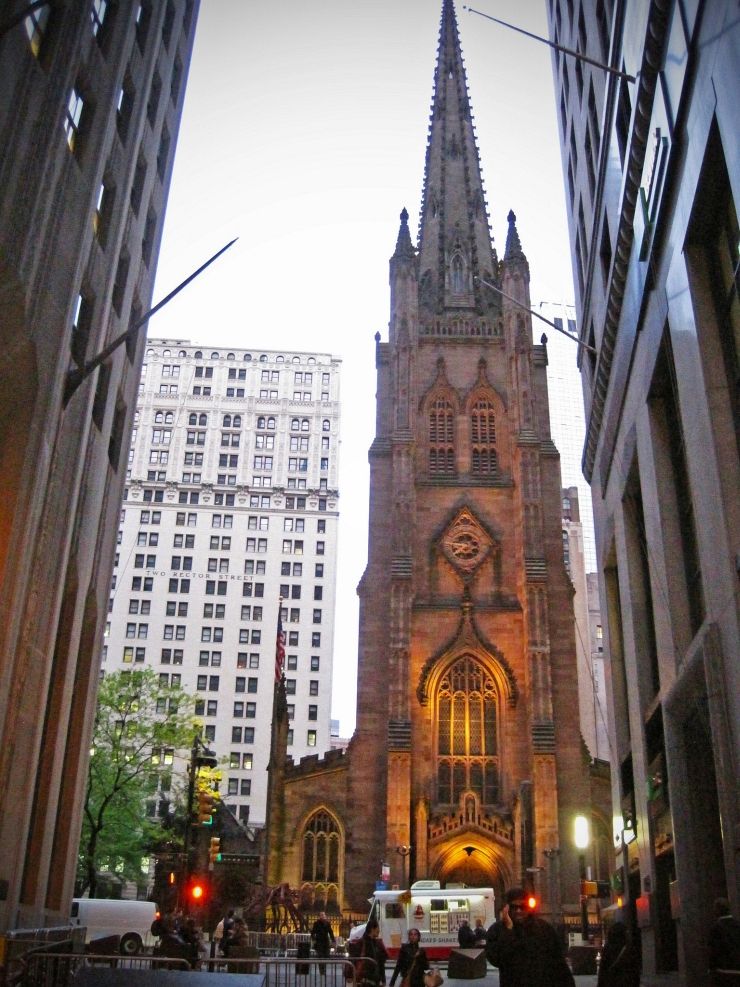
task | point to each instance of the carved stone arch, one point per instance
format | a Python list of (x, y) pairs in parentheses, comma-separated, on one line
[(440, 408), (485, 411), (467, 639), (440, 385)]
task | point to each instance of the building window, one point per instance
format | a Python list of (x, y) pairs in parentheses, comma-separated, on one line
[(73, 118), (483, 439), (321, 848), (36, 25), (441, 438), (467, 748)]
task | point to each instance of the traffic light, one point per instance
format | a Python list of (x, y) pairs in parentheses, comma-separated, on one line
[(205, 807), (214, 852), (531, 902), (197, 892)]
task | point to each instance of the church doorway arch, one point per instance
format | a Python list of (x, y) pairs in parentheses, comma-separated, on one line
[(476, 862)]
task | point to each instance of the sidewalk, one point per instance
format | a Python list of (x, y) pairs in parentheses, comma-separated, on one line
[(491, 980)]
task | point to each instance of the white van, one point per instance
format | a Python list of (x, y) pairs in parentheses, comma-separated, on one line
[(436, 912), (131, 920)]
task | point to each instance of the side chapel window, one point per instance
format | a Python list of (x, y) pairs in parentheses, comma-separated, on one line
[(467, 748), (484, 460), (441, 438), (321, 845)]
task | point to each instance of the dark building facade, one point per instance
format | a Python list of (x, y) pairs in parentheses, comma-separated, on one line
[(467, 763), (652, 170), (92, 94)]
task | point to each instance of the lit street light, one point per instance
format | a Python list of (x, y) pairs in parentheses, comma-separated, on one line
[(403, 851), (582, 840)]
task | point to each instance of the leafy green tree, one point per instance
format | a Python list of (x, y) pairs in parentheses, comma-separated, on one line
[(142, 728)]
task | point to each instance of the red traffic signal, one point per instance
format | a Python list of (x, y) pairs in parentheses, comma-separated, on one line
[(197, 892), (531, 903)]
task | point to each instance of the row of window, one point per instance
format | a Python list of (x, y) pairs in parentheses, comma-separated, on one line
[(219, 587), (166, 354), (200, 420)]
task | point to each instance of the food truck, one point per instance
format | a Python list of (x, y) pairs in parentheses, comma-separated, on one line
[(435, 911)]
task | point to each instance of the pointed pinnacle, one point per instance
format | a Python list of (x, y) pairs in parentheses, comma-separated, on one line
[(513, 245), (404, 247)]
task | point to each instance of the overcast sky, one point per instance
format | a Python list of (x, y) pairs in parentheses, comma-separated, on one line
[(303, 134)]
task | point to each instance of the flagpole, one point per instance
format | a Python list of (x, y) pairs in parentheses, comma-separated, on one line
[(278, 753)]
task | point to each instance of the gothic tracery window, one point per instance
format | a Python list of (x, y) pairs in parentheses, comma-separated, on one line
[(441, 437), (457, 275), (321, 851), (484, 460), (467, 747)]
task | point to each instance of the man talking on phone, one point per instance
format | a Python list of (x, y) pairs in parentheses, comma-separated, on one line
[(525, 948)]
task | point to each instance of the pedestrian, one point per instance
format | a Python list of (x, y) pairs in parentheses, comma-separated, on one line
[(237, 940), (322, 939), (525, 948), (620, 962), (412, 962), (723, 942), (372, 973), (479, 932), (465, 935), (224, 929)]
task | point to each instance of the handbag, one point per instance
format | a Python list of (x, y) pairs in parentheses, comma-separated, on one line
[(433, 978)]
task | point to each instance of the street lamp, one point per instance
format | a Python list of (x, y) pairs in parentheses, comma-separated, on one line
[(403, 851), (582, 840)]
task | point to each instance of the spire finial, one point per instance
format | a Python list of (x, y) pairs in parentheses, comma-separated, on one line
[(404, 248), (513, 244)]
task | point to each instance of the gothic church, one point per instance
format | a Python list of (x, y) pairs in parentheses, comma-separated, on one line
[(467, 748)]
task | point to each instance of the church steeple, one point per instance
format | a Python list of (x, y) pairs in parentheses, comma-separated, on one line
[(454, 236)]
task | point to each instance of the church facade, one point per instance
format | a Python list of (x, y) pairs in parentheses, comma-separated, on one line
[(467, 763)]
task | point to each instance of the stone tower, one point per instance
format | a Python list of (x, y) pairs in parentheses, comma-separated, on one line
[(466, 734), (467, 748)]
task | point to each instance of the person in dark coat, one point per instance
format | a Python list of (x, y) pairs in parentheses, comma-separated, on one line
[(620, 962), (412, 962), (322, 939), (479, 932), (373, 948), (525, 948), (465, 935), (724, 941)]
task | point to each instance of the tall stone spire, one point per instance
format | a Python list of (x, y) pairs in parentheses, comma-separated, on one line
[(454, 236)]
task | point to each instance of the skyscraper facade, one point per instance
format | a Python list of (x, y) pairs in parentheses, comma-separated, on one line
[(466, 764), (229, 513), (567, 416), (92, 97), (652, 173)]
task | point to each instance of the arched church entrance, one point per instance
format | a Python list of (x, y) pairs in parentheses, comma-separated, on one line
[(475, 862)]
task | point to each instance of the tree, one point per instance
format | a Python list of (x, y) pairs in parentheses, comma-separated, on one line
[(141, 727)]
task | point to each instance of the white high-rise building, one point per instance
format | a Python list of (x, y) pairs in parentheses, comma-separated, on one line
[(231, 505), (567, 417)]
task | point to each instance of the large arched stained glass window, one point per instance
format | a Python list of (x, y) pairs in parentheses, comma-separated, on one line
[(441, 437), (467, 745), (321, 849)]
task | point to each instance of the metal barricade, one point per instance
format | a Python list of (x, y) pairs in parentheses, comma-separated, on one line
[(289, 971), (46, 969)]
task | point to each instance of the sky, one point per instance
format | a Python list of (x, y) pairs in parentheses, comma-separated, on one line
[(303, 133)]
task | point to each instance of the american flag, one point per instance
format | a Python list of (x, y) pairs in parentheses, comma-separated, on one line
[(279, 646)]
